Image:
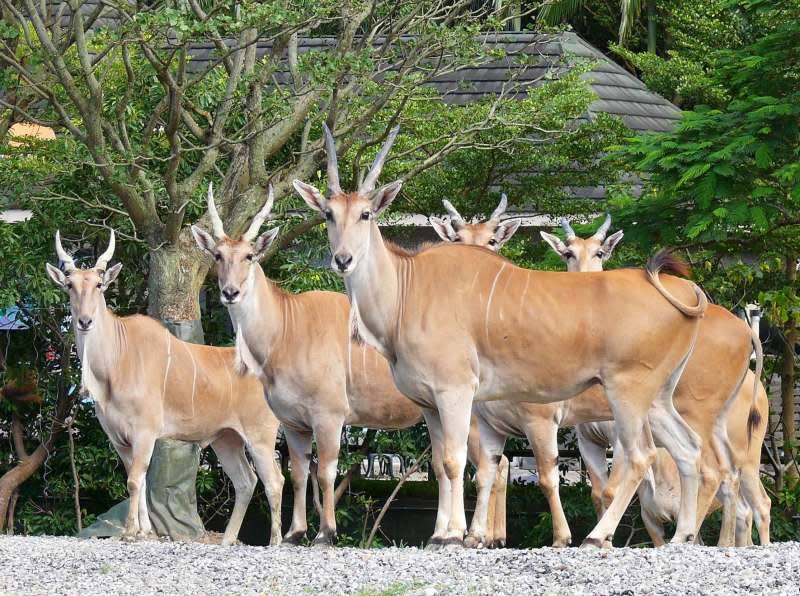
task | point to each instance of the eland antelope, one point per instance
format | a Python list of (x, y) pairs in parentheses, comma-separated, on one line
[(492, 233), (316, 380), (701, 397), (539, 423), (498, 331), (147, 385)]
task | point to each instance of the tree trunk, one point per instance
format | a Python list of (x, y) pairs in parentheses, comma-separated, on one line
[(176, 275), (652, 24), (27, 466)]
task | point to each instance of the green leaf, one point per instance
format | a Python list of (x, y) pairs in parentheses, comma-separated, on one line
[(693, 172), (763, 156)]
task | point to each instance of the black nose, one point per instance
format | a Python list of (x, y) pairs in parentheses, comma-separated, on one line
[(230, 294), (343, 261), (84, 322)]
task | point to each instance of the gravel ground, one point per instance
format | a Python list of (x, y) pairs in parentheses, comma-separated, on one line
[(71, 566)]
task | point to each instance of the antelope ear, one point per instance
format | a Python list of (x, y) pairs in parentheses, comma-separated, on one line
[(443, 228), (263, 242), (555, 243), (110, 275), (611, 243), (505, 231), (385, 195), (311, 195), (56, 275), (204, 240)]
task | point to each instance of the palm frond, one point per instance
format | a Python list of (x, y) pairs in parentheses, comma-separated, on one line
[(631, 10), (555, 12)]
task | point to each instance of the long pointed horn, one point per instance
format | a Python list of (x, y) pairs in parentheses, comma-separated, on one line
[(216, 222), (501, 208), (63, 255), (333, 162), (601, 232), (455, 216), (103, 259), (567, 228), (372, 177), (258, 220)]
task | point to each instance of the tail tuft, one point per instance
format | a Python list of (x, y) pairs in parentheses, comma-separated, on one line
[(753, 422), (668, 262)]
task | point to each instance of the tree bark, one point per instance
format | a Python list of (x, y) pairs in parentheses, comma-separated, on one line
[(176, 275), (27, 466)]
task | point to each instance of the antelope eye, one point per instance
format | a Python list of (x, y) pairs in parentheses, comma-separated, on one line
[(456, 239), (328, 214), (366, 215), (569, 254), (249, 257), (99, 286), (492, 242), (217, 257), (68, 285), (600, 254)]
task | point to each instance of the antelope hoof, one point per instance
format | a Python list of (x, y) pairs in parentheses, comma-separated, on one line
[(562, 542), (472, 541), (592, 543), (497, 543), (325, 539), (435, 543), (294, 539), (688, 539), (453, 542), (275, 540)]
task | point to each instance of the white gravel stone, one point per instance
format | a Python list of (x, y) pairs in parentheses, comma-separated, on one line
[(45, 565)]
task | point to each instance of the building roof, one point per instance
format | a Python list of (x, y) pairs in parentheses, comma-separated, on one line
[(547, 55), (532, 59)]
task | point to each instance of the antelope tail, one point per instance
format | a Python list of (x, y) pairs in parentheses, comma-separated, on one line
[(668, 262), (754, 418)]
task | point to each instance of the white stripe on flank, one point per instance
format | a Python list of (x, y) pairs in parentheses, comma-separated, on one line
[(489, 302), (474, 279), (194, 372), (230, 379), (525, 291), (169, 362), (364, 362)]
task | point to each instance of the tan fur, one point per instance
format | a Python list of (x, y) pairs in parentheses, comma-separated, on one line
[(316, 379), (480, 336), (712, 375), (149, 385), (539, 422)]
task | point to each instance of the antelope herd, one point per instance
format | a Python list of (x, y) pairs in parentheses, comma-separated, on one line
[(454, 334)]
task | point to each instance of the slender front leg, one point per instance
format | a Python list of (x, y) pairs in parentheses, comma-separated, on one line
[(437, 462), (455, 407), (543, 437), (140, 460), (491, 451), (299, 444), (263, 454), (328, 438), (628, 401)]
